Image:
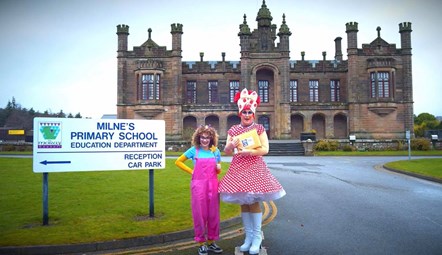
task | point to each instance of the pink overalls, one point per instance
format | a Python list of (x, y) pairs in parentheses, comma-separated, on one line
[(205, 199)]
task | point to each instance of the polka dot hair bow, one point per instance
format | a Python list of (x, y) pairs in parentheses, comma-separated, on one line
[(247, 98)]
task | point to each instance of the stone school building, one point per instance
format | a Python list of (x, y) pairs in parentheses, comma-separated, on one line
[(367, 95)]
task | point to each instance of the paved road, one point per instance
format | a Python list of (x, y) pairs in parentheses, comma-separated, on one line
[(349, 205)]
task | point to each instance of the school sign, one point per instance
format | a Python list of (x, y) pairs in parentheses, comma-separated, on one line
[(65, 144)]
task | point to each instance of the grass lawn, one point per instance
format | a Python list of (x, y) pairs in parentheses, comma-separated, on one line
[(93, 206), (379, 153), (431, 167)]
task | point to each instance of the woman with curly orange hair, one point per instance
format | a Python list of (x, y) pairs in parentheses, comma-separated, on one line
[(204, 187)]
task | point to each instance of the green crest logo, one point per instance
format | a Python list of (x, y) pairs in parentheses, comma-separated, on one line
[(50, 132), (49, 136)]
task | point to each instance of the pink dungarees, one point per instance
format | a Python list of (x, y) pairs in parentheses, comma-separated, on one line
[(205, 199)]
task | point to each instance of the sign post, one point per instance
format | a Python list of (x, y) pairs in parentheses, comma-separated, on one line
[(151, 203), (68, 145), (408, 136), (45, 199)]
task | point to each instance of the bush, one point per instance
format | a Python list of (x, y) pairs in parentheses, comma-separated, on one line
[(348, 147), (420, 144), (321, 145), (334, 145), (324, 145), (400, 146), (8, 147)]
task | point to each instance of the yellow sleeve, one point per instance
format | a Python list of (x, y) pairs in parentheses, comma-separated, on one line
[(180, 163)]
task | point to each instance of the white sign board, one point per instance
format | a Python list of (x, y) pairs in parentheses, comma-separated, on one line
[(69, 144)]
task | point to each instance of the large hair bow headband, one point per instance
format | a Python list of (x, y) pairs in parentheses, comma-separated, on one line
[(247, 98)]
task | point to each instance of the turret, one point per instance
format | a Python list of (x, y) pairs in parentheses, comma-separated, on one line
[(266, 33), (123, 33), (264, 16), (338, 49), (176, 31), (352, 37), (405, 31), (284, 34), (244, 35)]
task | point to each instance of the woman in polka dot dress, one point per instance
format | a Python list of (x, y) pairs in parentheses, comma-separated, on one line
[(248, 180)]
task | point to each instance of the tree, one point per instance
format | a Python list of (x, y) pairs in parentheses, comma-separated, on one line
[(14, 116), (61, 114), (424, 122), (424, 117)]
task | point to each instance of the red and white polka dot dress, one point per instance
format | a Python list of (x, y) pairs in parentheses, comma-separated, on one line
[(248, 179)]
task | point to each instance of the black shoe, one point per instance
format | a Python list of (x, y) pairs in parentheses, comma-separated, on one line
[(202, 250), (213, 247)]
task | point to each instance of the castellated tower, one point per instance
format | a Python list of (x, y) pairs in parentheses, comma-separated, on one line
[(405, 31), (177, 32), (379, 86), (352, 36), (149, 79), (352, 51), (123, 33)]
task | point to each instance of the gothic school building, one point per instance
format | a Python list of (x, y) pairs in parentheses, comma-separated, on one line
[(368, 95)]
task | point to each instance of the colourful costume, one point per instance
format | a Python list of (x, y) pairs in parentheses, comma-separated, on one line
[(204, 191), (248, 180)]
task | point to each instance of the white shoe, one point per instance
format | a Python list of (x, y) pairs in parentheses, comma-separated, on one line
[(257, 237), (248, 230)]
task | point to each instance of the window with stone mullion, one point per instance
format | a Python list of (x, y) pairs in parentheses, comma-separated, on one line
[(233, 89), (150, 87), (191, 92), (293, 91), (263, 91), (213, 91), (314, 90), (380, 84), (334, 90)]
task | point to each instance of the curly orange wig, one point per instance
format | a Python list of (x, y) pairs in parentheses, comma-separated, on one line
[(205, 129)]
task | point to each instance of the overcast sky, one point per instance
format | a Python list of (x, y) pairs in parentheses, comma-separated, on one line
[(61, 54)]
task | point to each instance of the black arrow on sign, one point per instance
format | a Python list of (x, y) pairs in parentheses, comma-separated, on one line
[(54, 162)]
